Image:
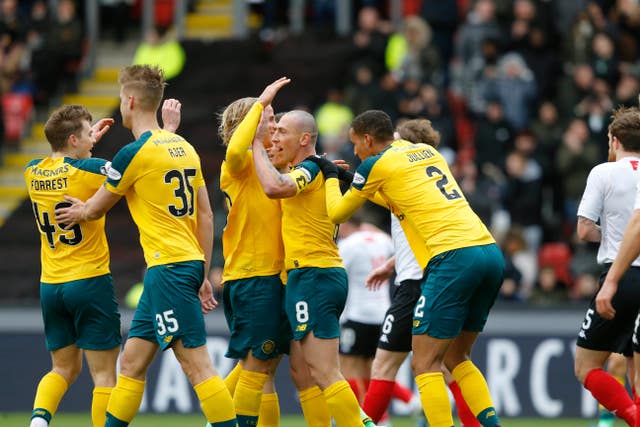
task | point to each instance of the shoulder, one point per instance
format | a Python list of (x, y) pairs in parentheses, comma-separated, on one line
[(310, 169), (128, 152), (32, 163), (93, 165), (364, 170)]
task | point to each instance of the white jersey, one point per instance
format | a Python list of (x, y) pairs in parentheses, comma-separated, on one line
[(608, 196), (407, 267), (361, 252)]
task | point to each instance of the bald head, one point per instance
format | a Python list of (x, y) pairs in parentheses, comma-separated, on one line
[(303, 122)]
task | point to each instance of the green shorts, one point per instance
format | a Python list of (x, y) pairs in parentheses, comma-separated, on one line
[(169, 308), (315, 298), (251, 307), (459, 289), (84, 312)]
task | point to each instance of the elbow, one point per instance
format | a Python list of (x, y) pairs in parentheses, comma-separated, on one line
[(582, 234), (274, 192)]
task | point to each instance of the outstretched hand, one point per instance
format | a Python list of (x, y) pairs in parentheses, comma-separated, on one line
[(69, 213), (328, 168), (101, 127), (171, 114), (267, 95)]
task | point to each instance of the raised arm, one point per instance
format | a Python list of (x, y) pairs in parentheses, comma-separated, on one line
[(237, 156), (276, 185), (171, 114)]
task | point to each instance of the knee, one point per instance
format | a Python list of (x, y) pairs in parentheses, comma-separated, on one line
[(132, 367), (68, 371), (384, 369), (581, 371), (421, 366)]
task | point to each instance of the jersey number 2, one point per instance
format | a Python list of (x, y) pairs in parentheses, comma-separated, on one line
[(442, 183)]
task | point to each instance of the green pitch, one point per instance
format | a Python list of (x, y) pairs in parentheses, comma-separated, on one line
[(84, 420)]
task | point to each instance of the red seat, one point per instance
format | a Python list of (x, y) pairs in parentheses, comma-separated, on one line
[(558, 256), (16, 109)]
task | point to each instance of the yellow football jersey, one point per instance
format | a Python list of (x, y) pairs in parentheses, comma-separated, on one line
[(81, 252), (417, 181), (252, 239), (160, 174), (308, 233)]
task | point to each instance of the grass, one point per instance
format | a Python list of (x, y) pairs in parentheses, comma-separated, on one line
[(14, 419)]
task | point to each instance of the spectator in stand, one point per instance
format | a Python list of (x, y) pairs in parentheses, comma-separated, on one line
[(161, 48), (60, 54), (523, 196), (510, 289), (575, 86), (370, 40), (548, 290), (11, 53), (363, 92), (627, 89), (625, 17), (524, 260), (603, 59), (442, 16), (574, 159), (493, 138), (515, 87), (114, 16), (391, 94), (480, 24), (333, 119), (11, 20), (410, 54), (542, 59)]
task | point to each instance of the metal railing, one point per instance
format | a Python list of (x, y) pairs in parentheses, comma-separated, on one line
[(240, 11)]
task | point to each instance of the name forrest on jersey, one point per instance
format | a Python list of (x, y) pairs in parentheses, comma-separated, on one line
[(52, 183)]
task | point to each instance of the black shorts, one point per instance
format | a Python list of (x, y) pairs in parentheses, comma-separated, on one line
[(398, 322), (358, 339), (613, 335)]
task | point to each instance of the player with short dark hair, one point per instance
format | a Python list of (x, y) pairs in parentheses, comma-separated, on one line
[(606, 197), (463, 265), (316, 280), (79, 308), (161, 176)]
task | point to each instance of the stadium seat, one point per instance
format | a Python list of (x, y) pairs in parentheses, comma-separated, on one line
[(558, 256), (17, 109)]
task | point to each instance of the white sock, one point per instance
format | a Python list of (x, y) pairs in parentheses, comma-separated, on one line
[(38, 422)]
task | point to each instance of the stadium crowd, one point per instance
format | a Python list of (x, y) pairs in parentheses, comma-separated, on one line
[(521, 92)]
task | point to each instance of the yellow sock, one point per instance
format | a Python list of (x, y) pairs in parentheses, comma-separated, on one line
[(314, 407), (269, 411), (216, 402), (434, 399), (475, 392), (231, 380), (99, 405), (248, 396), (125, 399), (343, 404), (51, 389)]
